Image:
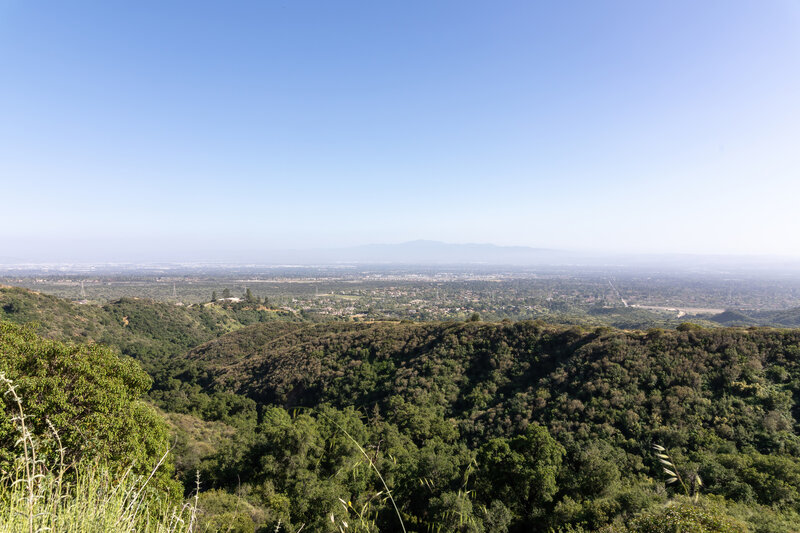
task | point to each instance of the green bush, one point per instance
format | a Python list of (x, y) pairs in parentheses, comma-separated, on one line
[(687, 517), (89, 397)]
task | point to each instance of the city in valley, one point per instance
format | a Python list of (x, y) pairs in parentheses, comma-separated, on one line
[(626, 297)]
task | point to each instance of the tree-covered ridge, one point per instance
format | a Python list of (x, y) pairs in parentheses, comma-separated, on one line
[(145, 329), (788, 318), (723, 400), (622, 380)]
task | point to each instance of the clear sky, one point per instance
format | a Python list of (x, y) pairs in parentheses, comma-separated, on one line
[(197, 130)]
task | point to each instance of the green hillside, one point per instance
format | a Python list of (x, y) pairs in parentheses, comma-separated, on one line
[(788, 318), (723, 401), (145, 329), (468, 426)]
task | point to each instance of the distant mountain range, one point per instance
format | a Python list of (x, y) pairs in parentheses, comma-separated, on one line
[(425, 252), (428, 252)]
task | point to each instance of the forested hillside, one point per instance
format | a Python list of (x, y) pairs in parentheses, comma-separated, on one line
[(789, 318), (453, 403), (469, 426), (145, 329)]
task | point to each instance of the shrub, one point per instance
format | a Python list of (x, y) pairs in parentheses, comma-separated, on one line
[(37, 495), (89, 396)]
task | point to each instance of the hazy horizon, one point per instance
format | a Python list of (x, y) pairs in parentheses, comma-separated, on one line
[(418, 252), (204, 131)]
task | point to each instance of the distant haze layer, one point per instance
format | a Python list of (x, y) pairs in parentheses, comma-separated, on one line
[(415, 253)]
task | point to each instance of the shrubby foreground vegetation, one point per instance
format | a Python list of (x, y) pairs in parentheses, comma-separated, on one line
[(515, 426), (73, 419)]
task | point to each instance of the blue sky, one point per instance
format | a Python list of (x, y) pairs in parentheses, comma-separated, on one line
[(207, 130)]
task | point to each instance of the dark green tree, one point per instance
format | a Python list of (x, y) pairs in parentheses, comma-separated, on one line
[(521, 472)]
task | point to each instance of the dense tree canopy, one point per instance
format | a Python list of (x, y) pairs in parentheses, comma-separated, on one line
[(546, 426), (469, 426)]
